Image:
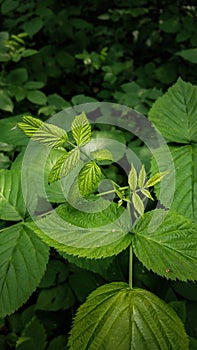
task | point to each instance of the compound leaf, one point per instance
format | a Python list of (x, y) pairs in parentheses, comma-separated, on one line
[(81, 129), (23, 262), (170, 249), (117, 317)]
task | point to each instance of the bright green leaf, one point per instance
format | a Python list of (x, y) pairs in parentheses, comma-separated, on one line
[(175, 113), (170, 249), (142, 177), (137, 203), (50, 135), (23, 262), (89, 178), (29, 125), (81, 129), (12, 206), (70, 162), (132, 178), (117, 317), (156, 178), (55, 172), (147, 193)]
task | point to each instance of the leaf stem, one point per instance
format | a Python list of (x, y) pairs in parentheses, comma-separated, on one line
[(104, 193), (131, 266)]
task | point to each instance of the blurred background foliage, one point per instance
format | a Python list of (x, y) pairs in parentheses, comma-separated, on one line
[(55, 54)]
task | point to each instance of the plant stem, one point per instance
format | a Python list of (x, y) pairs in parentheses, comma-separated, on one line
[(104, 193), (131, 266)]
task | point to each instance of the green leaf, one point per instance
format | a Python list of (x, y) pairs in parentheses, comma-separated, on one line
[(29, 125), (137, 203), (57, 298), (37, 97), (33, 336), (142, 177), (82, 99), (102, 154), (33, 25), (8, 6), (89, 178), (6, 103), (189, 55), (132, 178), (55, 172), (58, 343), (156, 178), (12, 206), (184, 190), (114, 141), (99, 266), (70, 162), (18, 76), (5, 161), (50, 135), (58, 101), (23, 262), (175, 113), (9, 132), (81, 129), (117, 317), (33, 85), (96, 239), (147, 193), (56, 273), (170, 249)]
